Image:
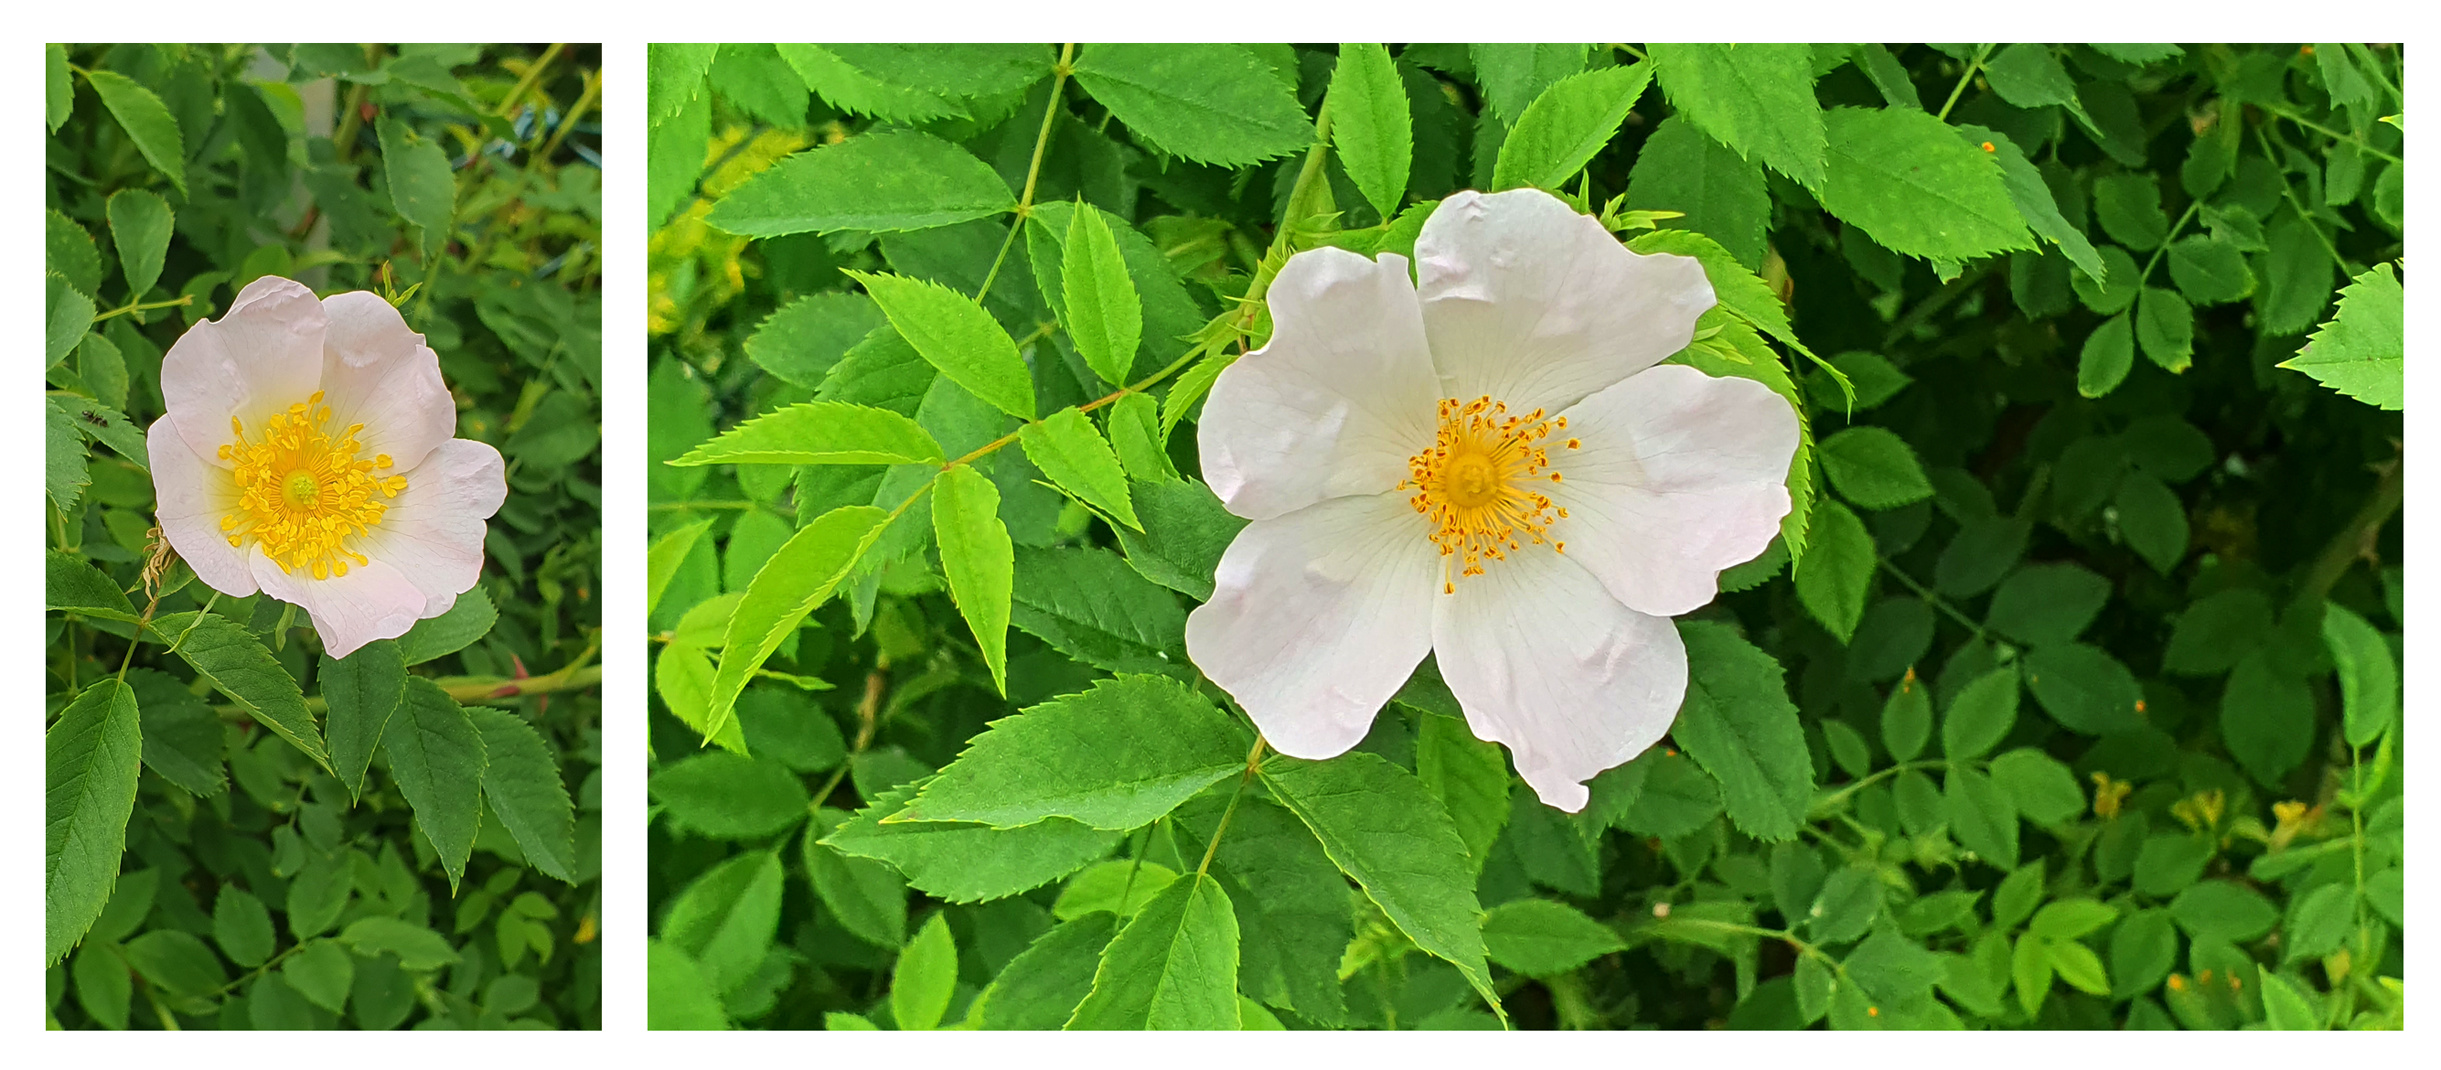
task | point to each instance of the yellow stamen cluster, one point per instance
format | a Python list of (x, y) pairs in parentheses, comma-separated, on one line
[(1475, 483), (302, 492)]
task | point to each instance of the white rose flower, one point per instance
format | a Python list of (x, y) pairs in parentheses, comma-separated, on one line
[(307, 452), (1486, 463)]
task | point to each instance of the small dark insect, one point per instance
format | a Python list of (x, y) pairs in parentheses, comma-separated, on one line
[(93, 417)]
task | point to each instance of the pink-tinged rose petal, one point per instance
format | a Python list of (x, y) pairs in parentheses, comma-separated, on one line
[(1335, 403), (378, 373), (1318, 617), (260, 357), (190, 496), (371, 602), (1546, 662), (1678, 475), (1531, 303), (432, 533)]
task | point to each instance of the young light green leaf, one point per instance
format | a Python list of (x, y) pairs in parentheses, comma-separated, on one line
[(147, 121), (1916, 188), (965, 862), (799, 577), (140, 228), (1214, 104), (224, 652), (2368, 674), (956, 336), (676, 993), (1566, 125), (1371, 127), (662, 561), (1117, 756), (361, 692), (438, 760), (59, 90), (1174, 966), (91, 758), (1755, 98), (1513, 74), (521, 781), (802, 341), (1381, 828), (820, 432), (1135, 435), (1104, 317), (1544, 938), (2034, 199), (1837, 573), (893, 180), (1739, 725), (925, 977), (1067, 448), (866, 897), (2362, 351), (421, 185), (977, 557)]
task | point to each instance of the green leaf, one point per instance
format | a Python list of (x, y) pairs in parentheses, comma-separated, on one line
[(72, 584), (1893, 969), (1739, 725), (1468, 776), (1041, 987), (1981, 817), (321, 971), (802, 341), (91, 758), (730, 796), (1566, 125), (866, 897), (140, 228), (1371, 126), (1542, 938), (1113, 887), (224, 652), (2029, 75), (956, 336), (2210, 271), (882, 182), (2143, 950), (1381, 828), (1874, 468), (676, 994), (820, 432), (2039, 785), (67, 314), (2297, 276), (2165, 328), (1916, 188), (2079, 966), (662, 561), (800, 576), (1104, 316), (59, 90), (2128, 206), (2285, 1004), (1723, 195), (1907, 719), (361, 691), (1170, 316), (925, 977), (2368, 674), (69, 252), (1289, 899), (1118, 756), (2083, 688), (1210, 103), (2223, 910), (1755, 98), (469, 618), (1090, 606), (2153, 521), (437, 757), (418, 947), (726, 918), (2318, 922), (2046, 604), (2267, 718), (2169, 862), (1067, 448), (183, 739), (965, 862), (241, 926), (1174, 966), (1513, 75), (1845, 907), (2219, 629), (977, 558), (421, 185), (2362, 351), (2108, 354), (2117, 292), (674, 74), (1135, 435), (2034, 199), (1837, 573), (176, 962), (521, 780), (147, 121), (902, 84), (1185, 532)]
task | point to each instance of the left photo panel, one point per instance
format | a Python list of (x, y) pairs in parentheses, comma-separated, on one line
[(322, 382)]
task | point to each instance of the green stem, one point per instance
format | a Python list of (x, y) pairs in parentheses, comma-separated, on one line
[(1042, 140), (2289, 194), (1877, 776), (2355, 541), (2325, 131), (1928, 595), (1254, 760), (180, 301), (1972, 66), (2183, 217), (533, 71)]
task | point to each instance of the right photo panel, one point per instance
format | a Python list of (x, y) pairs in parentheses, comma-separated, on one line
[(1525, 536)]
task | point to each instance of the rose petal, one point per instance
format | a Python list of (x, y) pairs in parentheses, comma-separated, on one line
[(1335, 403), (378, 373), (1318, 617), (262, 356), (190, 496), (1542, 659), (372, 602), (432, 533), (1533, 304), (1679, 475)]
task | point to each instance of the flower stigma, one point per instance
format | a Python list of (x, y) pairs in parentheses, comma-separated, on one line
[(302, 490), (1475, 483)]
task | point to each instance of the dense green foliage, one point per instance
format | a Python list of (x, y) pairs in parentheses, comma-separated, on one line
[(220, 856), (2068, 699)]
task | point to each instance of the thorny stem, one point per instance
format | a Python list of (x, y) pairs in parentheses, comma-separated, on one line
[(1042, 140), (1254, 759), (1976, 64)]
